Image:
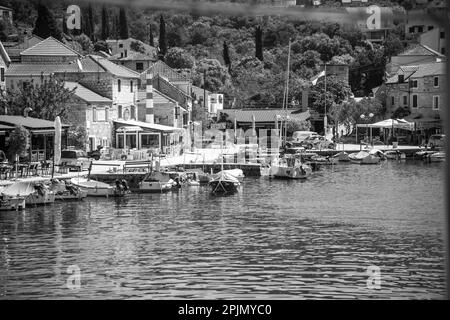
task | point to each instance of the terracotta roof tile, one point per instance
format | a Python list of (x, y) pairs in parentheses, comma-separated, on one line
[(50, 47), (85, 94)]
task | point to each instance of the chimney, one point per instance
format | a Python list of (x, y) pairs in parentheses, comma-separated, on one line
[(401, 78), (149, 117)]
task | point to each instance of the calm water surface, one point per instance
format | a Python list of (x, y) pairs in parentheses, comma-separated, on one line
[(274, 239)]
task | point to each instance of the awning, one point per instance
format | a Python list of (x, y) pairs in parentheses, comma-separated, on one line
[(390, 123), (422, 118), (147, 125), (129, 129)]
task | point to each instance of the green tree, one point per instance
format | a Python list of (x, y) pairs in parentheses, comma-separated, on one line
[(259, 44), (45, 25), (293, 125), (179, 59), (101, 46), (226, 56), (105, 24), (162, 42), (216, 75), (137, 46), (151, 40), (47, 101), (123, 23), (17, 143), (336, 92), (77, 136)]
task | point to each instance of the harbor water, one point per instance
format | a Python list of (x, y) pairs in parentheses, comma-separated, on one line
[(275, 239)]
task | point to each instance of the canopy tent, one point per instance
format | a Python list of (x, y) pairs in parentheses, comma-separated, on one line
[(20, 189), (389, 124)]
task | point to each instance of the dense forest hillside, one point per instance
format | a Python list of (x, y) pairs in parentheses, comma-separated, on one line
[(243, 57)]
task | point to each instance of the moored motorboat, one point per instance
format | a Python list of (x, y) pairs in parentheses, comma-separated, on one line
[(12, 197), (342, 156), (290, 167), (395, 155), (364, 157), (437, 157), (42, 195), (237, 173), (65, 190), (156, 181), (224, 183), (93, 188)]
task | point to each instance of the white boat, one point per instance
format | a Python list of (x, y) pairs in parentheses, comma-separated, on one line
[(67, 191), (364, 157), (437, 157), (290, 167), (395, 155), (156, 181), (342, 157), (93, 188), (42, 195), (12, 197), (237, 173), (224, 183)]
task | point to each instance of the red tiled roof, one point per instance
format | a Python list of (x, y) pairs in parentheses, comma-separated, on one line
[(132, 56), (50, 47), (165, 71), (40, 69), (28, 122), (115, 69), (85, 94), (420, 50)]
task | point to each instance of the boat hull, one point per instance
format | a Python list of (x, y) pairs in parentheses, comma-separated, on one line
[(40, 199), (290, 172), (155, 187), (223, 187), (12, 204)]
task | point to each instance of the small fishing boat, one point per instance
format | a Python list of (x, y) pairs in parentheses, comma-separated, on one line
[(364, 157), (237, 173), (324, 160), (395, 155), (12, 197), (42, 195), (224, 183), (197, 177), (156, 181), (93, 188), (64, 190), (437, 157), (342, 157), (290, 167), (122, 188)]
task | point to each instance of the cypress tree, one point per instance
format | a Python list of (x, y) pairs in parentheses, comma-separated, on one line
[(105, 24), (45, 25), (117, 27), (162, 38), (91, 22), (123, 24), (86, 25), (151, 40), (226, 56), (258, 44)]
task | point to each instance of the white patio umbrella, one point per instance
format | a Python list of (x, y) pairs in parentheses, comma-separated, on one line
[(57, 150), (393, 123)]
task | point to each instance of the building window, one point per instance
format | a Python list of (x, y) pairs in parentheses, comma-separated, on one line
[(2, 77), (420, 29), (119, 112), (442, 34), (405, 100), (139, 66), (414, 84), (430, 28), (443, 50), (121, 45), (119, 85), (414, 101), (220, 99), (94, 114), (392, 101), (435, 102), (133, 112), (106, 114), (131, 86), (436, 82), (411, 29)]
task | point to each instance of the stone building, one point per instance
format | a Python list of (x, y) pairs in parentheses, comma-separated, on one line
[(421, 91), (5, 61)]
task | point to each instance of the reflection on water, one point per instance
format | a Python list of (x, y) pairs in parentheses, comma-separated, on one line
[(274, 239)]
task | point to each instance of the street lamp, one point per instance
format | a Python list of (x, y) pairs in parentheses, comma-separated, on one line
[(367, 118)]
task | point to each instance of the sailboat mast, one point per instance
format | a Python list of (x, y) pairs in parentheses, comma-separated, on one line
[(286, 100)]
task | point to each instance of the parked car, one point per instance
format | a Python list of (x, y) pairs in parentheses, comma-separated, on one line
[(299, 136), (436, 141), (317, 142), (75, 158)]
